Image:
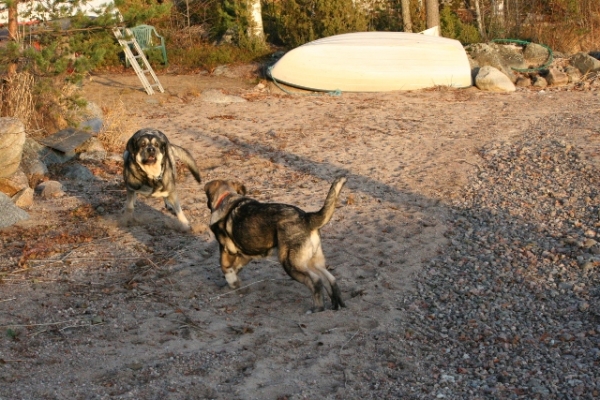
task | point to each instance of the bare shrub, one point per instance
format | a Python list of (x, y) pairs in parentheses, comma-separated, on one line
[(115, 125)]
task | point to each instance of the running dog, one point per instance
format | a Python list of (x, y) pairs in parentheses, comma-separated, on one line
[(247, 229), (150, 169)]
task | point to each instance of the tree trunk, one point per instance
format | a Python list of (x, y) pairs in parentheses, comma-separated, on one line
[(13, 32), (432, 8), (256, 24), (187, 11), (479, 20), (406, 20)]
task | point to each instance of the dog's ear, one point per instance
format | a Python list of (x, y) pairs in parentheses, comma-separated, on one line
[(210, 188), (132, 146), (239, 188)]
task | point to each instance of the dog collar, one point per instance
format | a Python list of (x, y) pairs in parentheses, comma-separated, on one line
[(221, 198)]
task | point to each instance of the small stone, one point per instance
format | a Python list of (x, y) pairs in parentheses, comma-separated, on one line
[(50, 189), (24, 199)]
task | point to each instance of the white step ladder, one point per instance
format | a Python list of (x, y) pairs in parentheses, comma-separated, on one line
[(126, 38)]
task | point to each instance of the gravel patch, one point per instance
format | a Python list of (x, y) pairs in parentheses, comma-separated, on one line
[(510, 310)]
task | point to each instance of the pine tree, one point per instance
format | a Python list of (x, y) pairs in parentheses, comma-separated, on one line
[(64, 46)]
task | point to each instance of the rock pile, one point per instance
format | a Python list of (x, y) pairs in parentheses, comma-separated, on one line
[(500, 67), (24, 167)]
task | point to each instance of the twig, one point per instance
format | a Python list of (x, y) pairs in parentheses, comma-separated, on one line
[(349, 340), (462, 160), (2, 301), (78, 326), (28, 325), (192, 325), (106, 258)]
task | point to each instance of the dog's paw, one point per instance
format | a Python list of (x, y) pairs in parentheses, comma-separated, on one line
[(127, 219), (185, 228)]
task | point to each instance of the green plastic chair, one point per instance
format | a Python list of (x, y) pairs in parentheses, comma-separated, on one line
[(148, 39)]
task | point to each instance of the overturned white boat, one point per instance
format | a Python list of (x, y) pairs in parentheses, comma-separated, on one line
[(375, 62)]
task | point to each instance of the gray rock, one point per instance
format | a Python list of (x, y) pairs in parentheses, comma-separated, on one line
[(220, 70), (511, 55), (485, 54), (92, 150), (32, 166), (10, 214), (93, 125), (573, 73), (585, 63), (535, 55), (492, 80), (12, 138), (77, 172), (50, 189), (36, 151)]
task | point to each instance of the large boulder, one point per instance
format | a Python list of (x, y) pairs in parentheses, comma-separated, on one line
[(535, 55), (500, 57), (492, 80), (12, 137)]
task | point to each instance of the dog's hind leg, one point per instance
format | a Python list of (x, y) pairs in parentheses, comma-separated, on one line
[(317, 264), (296, 264)]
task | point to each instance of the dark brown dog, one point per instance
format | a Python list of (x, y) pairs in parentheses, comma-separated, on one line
[(247, 229), (149, 169)]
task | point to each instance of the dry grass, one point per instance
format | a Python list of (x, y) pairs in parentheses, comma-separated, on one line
[(115, 124), (566, 38)]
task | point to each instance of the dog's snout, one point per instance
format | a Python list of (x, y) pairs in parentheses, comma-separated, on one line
[(151, 150)]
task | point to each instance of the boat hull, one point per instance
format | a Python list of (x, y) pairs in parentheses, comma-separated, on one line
[(375, 62)]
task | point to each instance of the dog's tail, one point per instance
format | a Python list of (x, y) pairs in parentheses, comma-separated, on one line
[(185, 157), (321, 217)]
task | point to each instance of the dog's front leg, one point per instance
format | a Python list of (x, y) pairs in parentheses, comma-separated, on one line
[(172, 204), (230, 265), (129, 205)]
